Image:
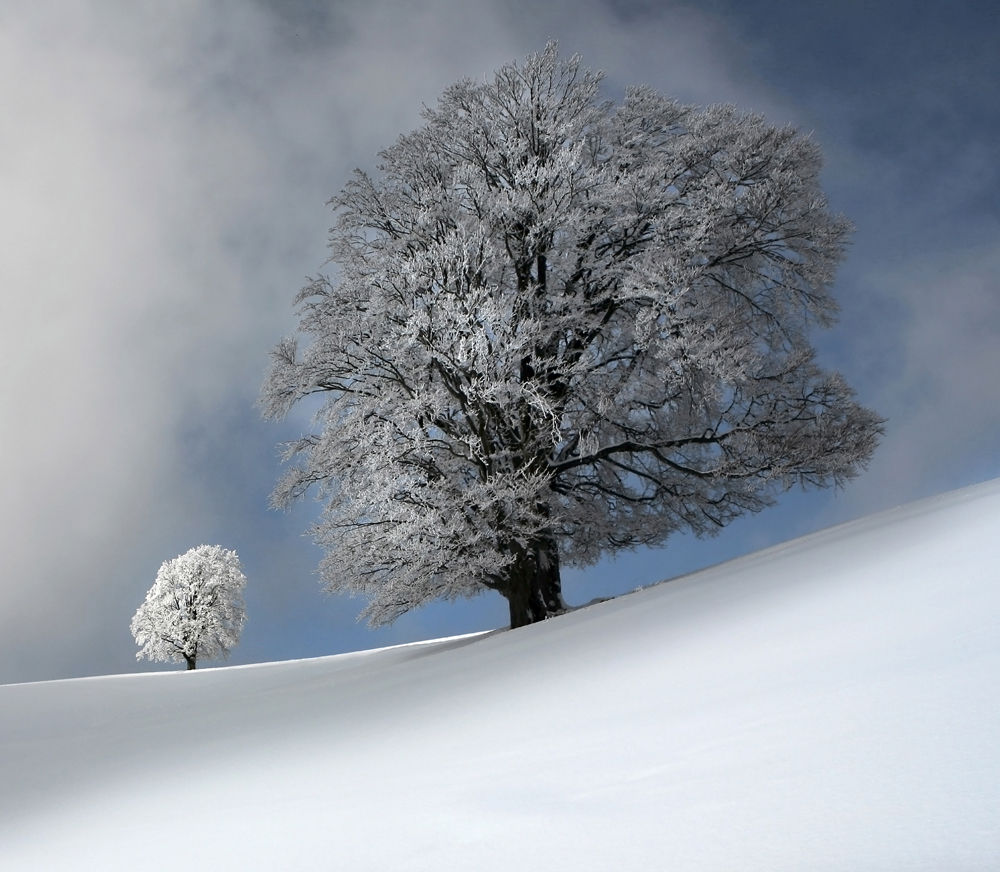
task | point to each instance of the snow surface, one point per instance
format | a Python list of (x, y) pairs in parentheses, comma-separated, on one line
[(826, 704)]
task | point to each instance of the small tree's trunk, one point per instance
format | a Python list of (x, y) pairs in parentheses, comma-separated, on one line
[(190, 661)]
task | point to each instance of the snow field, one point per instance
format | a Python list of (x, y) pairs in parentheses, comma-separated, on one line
[(827, 704)]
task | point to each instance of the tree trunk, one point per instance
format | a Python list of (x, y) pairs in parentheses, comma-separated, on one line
[(534, 590), (518, 590), (549, 579), (519, 599), (190, 661)]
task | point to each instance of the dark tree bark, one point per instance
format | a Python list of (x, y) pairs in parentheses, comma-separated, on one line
[(549, 581), (517, 592), (534, 588), (191, 662)]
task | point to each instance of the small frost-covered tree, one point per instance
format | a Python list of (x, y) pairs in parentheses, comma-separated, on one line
[(560, 328), (195, 608)]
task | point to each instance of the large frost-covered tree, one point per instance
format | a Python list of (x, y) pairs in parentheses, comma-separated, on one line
[(195, 608), (558, 328)]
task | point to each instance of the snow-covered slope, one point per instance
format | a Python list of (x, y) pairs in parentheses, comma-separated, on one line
[(828, 704)]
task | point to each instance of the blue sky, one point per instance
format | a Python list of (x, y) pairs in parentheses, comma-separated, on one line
[(165, 170)]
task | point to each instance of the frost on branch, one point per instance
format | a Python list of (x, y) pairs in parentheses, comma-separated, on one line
[(558, 328), (194, 610)]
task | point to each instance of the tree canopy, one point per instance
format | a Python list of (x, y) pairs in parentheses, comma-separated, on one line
[(560, 327), (195, 608)]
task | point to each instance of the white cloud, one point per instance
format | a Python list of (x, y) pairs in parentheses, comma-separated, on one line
[(113, 279), (164, 170), (942, 396)]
